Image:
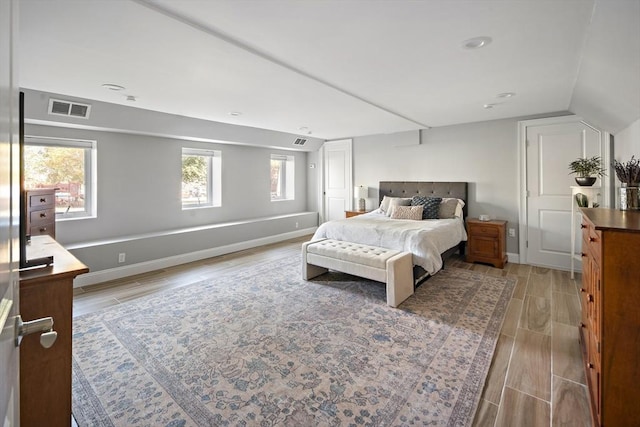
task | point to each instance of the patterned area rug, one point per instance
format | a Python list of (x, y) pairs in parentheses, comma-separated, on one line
[(265, 348)]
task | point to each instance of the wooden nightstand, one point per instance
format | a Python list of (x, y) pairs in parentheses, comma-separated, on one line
[(349, 214), (487, 242)]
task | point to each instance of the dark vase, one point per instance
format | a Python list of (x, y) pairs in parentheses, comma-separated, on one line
[(586, 181)]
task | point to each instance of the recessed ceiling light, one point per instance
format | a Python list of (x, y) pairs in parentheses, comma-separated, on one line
[(487, 106), (506, 95), (111, 86), (476, 42), (235, 113), (131, 98)]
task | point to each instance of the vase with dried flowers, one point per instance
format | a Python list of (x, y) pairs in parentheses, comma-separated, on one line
[(629, 175)]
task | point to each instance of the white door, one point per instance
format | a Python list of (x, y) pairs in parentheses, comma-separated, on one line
[(338, 188), (9, 355), (549, 150)]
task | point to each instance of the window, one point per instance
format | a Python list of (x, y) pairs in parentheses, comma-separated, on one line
[(66, 164), (201, 178), (282, 175)]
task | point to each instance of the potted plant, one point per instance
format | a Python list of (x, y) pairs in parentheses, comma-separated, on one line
[(629, 175), (587, 170)]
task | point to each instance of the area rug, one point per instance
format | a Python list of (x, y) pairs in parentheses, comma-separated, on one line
[(265, 348)]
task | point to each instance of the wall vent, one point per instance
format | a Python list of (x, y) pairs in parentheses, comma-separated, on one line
[(300, 141), (59, 107)]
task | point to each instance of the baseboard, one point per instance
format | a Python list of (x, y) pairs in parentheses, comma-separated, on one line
[(156, 264), (513, 258)]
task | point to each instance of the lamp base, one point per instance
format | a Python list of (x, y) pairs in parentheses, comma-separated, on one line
[(362, 205)]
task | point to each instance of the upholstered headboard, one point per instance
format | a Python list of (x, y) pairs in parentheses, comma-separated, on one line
[(423, 188)]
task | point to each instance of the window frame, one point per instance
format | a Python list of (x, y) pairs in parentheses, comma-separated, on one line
[(90, 171), (214, 176), (286, 179)]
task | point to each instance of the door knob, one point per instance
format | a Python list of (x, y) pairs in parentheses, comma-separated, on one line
[(44, 326)]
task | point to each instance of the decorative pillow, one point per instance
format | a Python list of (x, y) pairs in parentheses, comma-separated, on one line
[(448, 207), (388, 202), (407, 212), (430, 206)]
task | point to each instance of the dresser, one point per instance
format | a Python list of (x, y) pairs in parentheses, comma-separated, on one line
[(45, 374), (486, 242), (610, 323), (41, 211)]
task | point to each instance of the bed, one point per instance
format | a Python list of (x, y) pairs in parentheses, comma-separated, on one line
[(430, 241)]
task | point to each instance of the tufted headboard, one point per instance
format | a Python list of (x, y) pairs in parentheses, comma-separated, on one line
[(423, 188)]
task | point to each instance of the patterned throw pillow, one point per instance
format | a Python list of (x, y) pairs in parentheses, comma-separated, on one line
[(430, 206), (407, 212)]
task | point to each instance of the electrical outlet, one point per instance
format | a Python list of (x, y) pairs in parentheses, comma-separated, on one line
[(512, 232), (296, 224), (121, 257)]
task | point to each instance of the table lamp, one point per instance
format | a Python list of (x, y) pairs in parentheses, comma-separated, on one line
[(361, 194)]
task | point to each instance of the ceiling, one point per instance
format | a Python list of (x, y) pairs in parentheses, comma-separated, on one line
[(333, 69)]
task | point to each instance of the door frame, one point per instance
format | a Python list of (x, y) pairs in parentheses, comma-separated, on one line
[(607, 181)]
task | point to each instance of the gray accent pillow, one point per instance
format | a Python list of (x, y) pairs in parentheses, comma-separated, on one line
[(430, 206), (448, 208), (388, 202)]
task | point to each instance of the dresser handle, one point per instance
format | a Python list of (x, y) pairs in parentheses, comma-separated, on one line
[(43, 229), (591, 239), (43, 200), (589, 297), (583, 255), (43, 215), (583, 226), (583, 290), (590, 365), (582, 325)]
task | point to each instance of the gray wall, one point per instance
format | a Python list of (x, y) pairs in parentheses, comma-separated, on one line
[(627, 143), (484, 154), (138, 196)]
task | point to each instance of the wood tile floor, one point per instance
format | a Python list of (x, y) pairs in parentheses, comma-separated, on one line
[(536, 376)]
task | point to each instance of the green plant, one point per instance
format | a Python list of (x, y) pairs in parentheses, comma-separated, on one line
[(587, 167), (629, 172)]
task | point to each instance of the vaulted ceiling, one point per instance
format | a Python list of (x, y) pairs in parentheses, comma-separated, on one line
[(342, 68)]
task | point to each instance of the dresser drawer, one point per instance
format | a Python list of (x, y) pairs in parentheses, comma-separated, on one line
[(42, 200), (47, 228), (42, 216)]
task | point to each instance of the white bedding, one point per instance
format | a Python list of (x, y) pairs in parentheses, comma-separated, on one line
[(425, 239)]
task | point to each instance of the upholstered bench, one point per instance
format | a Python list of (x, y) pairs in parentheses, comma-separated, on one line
[(389, 266)]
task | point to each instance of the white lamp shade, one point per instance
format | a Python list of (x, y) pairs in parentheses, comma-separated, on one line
[(361, 192)]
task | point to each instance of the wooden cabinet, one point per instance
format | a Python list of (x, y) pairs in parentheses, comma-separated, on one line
[(487, 242), (41, 212), (349, 214), (45, 374), (610, 322)]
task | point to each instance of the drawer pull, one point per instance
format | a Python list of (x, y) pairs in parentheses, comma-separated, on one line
[(43, 200), (591, 239), (43, 229), (590, 365), (582, 325), (589, 297), (583, 255), (583, 226), (43, 215), (583, 290)]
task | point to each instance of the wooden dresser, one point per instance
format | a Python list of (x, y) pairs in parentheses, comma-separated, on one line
[(41, 211), (487, 242), (45, 374), (610, 324)]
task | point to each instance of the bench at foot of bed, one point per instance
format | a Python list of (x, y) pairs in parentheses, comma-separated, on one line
[(389, 266)]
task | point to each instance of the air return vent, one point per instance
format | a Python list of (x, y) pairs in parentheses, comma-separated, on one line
[(68, 108), (300, 141)]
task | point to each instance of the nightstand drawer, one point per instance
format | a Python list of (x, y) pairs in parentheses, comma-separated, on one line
[(485, 230), (48, 228), (42, 200), (42, 216)]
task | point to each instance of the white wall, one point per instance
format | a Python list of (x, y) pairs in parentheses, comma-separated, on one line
[(483, 154), (627, 142)]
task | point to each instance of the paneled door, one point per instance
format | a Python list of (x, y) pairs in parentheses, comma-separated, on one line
[(549, 150), (338, 188)]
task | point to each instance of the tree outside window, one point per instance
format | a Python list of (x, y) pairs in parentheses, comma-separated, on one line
[(282, 177), (201, 178)]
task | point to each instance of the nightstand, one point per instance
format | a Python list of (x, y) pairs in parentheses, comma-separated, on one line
[(349, 214), (487, 242)]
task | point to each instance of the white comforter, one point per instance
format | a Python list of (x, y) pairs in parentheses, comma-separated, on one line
[(425, 239)]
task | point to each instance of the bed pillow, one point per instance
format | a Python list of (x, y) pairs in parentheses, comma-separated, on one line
[(430, 206), (407, 212), (388, 202), (449, 207)]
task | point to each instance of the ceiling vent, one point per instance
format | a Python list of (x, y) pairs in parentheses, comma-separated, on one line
[(300, 141), (68, 108)]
